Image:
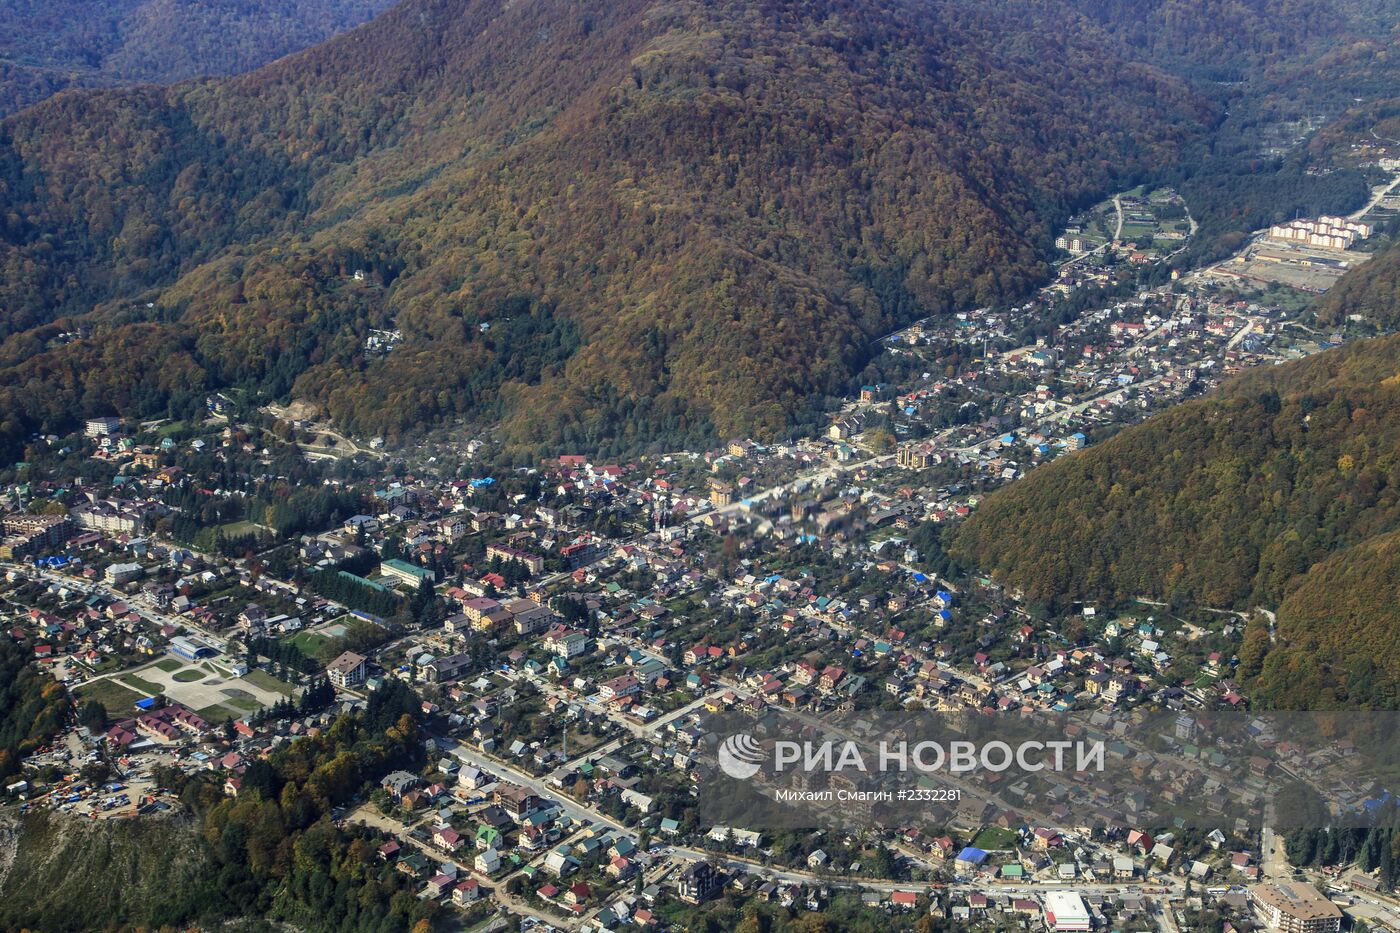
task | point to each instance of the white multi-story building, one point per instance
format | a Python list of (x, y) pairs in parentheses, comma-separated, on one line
[(346, 670), (1330, 232), (1295, 907), (113, 516), (102, 427)]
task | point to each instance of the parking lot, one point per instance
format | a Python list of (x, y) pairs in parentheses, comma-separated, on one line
[(121, 794)]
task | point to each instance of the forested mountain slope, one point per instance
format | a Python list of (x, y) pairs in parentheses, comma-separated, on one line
[(1244, 41), (49, 45), (645, 222), (1370, 291), (1281, 489), (1223, 500), (676, 220), (1338, 634)]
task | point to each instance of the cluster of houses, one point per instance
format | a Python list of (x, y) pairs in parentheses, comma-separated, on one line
[(575, 588), (1115, 364), (515, 830)]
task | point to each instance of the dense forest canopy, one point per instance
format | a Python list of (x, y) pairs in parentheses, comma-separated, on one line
[(1241, 41), (49, 45), (1226, 498), (1339, 633), (1276, 68), (1370, 291), (33, 706)]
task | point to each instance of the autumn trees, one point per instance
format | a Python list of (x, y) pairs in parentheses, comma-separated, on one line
[(695, 230), (56, 44), (1280, 489), (33, 706)]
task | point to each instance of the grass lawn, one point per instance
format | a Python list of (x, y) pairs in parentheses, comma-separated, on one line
[(234, 529), (136, 683), (118, 699), (169, 665), (266, 681), (307, 642), (188, 677), (216, 714), (246, 704), (994, 837)]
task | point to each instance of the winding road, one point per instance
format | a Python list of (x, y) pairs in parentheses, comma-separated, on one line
[(1377, 196)]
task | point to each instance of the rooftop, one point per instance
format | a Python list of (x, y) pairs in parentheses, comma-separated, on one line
[(1300, 901)]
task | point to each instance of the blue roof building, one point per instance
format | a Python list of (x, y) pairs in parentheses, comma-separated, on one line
[(972, 855)]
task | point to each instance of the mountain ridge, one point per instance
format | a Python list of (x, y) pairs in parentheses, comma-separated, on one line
[(706, 221), (50, 46)]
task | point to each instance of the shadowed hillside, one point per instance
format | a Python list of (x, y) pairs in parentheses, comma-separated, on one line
[(49, 45)]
